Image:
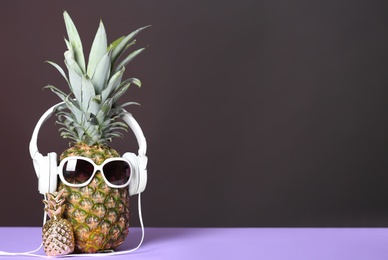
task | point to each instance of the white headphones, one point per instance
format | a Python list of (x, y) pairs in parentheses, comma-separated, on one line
[(46, 166)]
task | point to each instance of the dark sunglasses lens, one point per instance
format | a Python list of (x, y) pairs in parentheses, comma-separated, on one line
[(117, 173), (76, 171)]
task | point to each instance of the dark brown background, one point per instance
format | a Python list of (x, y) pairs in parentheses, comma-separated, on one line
[(257, 113)]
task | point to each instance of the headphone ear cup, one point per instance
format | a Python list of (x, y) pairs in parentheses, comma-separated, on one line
[(143, 160), (52, 160), (46, 170), (39, 162), (134, 185)]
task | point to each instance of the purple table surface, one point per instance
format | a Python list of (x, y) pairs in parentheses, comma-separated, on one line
[(229, 243)]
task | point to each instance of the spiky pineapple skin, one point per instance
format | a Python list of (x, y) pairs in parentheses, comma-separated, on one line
[(98, 214), (57, 237)]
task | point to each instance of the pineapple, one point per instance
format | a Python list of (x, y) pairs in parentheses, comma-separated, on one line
[(58, 238), (90, 118)]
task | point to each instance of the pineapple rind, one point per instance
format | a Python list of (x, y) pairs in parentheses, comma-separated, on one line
[(57, 237), (96, 210), (57, 233)]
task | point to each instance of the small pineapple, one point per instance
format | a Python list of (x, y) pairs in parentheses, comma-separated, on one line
[(58, 237), (90, 117)]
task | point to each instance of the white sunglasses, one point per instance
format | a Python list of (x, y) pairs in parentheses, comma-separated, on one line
[(77, 171)]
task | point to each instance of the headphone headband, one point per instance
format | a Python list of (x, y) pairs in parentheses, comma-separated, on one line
[(46, 166), (127, 118)]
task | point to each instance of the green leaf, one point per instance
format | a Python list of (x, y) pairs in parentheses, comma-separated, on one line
[(78, 115), (113, 84), (119, 88), (104, 110), (123, 43), (75, 40), (57, 91), (129, 103), (94, 104), (75, 82), (127, 60), (98, 50), (68, 45), (68, 134), (120, 92), (87, 92), (116, 42), (129, 45), (59, 69), (71, 62), (119, 40), (135, 81), (102, 73), (121, 128)]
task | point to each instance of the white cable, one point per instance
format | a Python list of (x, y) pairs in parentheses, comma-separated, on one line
[(30, 253)]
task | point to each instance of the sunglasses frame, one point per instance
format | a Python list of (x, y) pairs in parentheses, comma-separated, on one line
[(96, 169)]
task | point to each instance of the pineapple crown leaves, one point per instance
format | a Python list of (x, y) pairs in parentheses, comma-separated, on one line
[(54, 204), (91, 111)]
